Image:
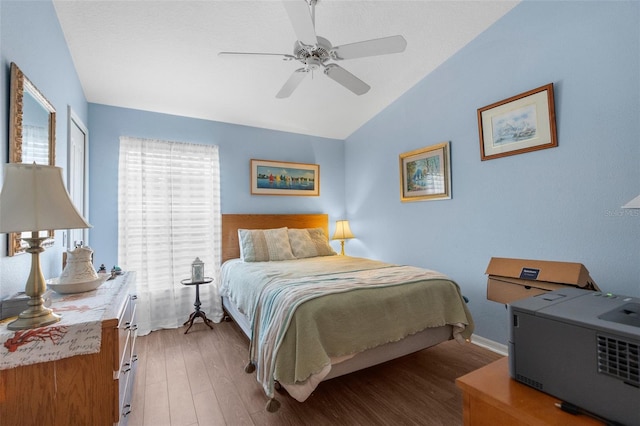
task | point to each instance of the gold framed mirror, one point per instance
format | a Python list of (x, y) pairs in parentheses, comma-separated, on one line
[(32, 135)]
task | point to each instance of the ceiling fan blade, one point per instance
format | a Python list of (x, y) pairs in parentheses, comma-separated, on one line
[(291, 84), (378, 46), (284, 57), (300, 16), (345, 78)]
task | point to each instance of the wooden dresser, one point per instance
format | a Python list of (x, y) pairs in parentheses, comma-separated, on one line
[(93, 389), (492, 398)]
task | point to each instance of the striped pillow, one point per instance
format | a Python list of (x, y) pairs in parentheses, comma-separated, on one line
[(262, 245), (309, 242)]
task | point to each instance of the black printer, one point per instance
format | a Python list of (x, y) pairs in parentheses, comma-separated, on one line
[(582, 347)]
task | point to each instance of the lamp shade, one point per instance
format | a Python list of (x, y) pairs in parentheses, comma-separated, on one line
[(343, 231), (633, 204), (34, 198)]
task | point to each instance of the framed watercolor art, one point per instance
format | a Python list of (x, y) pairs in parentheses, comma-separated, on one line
[(425, 173), (284, 178), (522, 123)]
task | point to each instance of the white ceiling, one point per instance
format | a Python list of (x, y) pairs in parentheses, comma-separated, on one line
[(162, 56)]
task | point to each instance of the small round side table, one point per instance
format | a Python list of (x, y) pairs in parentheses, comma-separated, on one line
[(197, 313)]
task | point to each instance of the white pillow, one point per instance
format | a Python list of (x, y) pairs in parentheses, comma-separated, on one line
[(262, 245), (309, 242)]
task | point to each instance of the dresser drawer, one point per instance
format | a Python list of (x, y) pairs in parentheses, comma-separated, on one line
[(125, 372), (126, 324), (126, 392)]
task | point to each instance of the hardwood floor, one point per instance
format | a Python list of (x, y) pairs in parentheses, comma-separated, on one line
[(198, 379)]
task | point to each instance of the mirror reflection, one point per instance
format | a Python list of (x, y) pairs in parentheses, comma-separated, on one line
[(35, 131), (32, 125)]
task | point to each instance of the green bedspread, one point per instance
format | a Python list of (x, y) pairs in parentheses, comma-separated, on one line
[(303, 312)]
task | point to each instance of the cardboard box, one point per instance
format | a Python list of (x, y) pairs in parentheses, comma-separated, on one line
[(515, 279)]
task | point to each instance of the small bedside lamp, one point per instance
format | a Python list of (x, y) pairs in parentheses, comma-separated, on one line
[(343, 232), (34, 199)]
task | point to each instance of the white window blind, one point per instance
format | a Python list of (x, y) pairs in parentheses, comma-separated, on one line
[(169, 214)]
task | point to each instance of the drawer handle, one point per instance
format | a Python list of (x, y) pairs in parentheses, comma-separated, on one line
[(134, 358), (126, 410), (134, 297), (129, 326), (126, 368)]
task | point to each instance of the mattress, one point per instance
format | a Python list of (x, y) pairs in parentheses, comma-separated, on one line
[(306, 315)]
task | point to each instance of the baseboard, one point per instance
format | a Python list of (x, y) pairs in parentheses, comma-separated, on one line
[(490, 344)]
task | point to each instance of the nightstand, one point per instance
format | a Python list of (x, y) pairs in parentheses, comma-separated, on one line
[(197, 313)]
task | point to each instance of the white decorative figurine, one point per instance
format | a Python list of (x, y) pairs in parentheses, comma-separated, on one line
[(197, 270)]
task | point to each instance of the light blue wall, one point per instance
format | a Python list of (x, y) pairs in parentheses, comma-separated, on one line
[(237, 144), (556, 204), (30, 36)]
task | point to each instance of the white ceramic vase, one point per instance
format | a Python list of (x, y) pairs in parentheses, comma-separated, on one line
[(79, 268)]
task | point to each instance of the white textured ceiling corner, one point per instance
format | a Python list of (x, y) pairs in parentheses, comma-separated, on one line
[(162, 56)]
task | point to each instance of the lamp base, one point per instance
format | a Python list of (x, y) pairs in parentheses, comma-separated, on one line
[(37, 315), (34, 317)]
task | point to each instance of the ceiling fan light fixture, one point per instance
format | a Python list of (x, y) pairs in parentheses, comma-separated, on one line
[(313, 63)]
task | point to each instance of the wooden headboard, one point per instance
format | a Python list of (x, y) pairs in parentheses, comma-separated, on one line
[(232, 222)]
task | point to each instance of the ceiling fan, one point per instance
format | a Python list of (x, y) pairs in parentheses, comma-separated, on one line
[(315, 52)]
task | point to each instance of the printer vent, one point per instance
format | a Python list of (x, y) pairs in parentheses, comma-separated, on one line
[(620, 359), (529, 382)]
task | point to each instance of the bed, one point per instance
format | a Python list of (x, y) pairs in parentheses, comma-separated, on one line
[(311, 315)]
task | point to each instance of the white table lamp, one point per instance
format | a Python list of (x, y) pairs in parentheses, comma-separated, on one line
[(343, 232), (34, 199)]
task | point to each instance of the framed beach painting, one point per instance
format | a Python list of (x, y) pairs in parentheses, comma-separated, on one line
[(425, 173), (284, 178), (522, 123)]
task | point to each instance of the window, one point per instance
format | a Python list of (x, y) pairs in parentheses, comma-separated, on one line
[(169, 214)]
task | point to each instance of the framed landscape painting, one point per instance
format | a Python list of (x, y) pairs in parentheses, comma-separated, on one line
[(284, 178), (425, 173), (522, 123)]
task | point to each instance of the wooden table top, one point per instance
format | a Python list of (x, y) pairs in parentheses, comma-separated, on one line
[(493, 385)]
